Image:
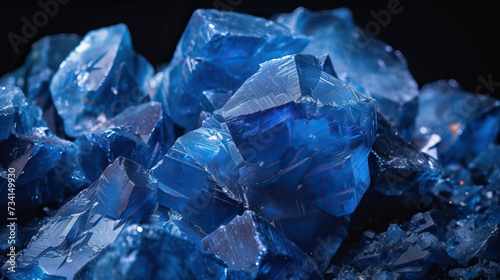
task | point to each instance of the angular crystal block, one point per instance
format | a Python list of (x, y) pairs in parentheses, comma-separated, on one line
[(145, 252), (100, 78), (124, 194), (362, 61), (251, 244), (219, 50), (466, 122), (141, 133), (45, 167), (17, 116), (396, 165)]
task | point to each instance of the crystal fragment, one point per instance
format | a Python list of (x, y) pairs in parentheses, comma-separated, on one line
[(45, 167), (219, 50), (124, 194), (100, 78), (144, 252), (141, 133), (362, 61), (396, 165), (466, 122), (251, 244), (17, 116)]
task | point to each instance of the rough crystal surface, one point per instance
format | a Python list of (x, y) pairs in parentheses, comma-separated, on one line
[(100, 78), (397, 165), (149, 253), (141, 133), (124, 194), (362, 61), (466, 122), (251, 244), (219, 50)]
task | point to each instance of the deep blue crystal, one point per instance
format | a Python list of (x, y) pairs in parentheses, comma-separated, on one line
[(141, 133), (466, 122), (219, 50), (124, 194), (362, 61), (251, 244), (396, 165), (46, 170), (100, 78), (148, 253)]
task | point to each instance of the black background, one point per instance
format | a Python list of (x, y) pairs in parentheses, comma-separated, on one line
[(439, 40)]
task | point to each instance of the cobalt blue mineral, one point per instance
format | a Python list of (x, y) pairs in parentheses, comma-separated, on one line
[(251, 244), (362, 61), (17, 116), (45, 167), (124, 194), (294, 153), (219, 50), (396, 165), (466, 122), (141, 133), (34, 76), (100, 78), (144, 252)]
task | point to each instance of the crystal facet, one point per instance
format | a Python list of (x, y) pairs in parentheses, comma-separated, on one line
[(100, 78)]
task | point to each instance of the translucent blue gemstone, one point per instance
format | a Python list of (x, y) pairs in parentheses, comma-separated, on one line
[(46, 170), (124, 194), (219, 50), (466, 122), (141, 133), (149, 253), (362, 61), (100, 78), (251, 244), (17, 116), (308, 129), (396, 165), (486, 164)]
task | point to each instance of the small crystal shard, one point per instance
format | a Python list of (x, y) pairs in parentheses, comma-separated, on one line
[(100, 78), (124, 194), (219, 50), (251, 244), (396, 165)]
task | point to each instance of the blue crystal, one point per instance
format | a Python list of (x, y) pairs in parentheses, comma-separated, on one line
[(123, 195), (362, 61), (150, 253), (251, 244), (486, 163), (17, 116), (141, 133), (482, 270), (100, 78), (219, 50), (46, 170), (466, 122), (396, 165)]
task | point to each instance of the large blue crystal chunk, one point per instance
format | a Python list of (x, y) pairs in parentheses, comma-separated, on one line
[(45, 167), (251, 244), (148, 253), (396, 165), (466, 122), (219, 50), (362, 61), (100, 78), (141, 133), (124, 194), (17, 116)]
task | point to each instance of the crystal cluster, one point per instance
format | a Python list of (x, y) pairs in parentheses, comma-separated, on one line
[(293, 148)]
